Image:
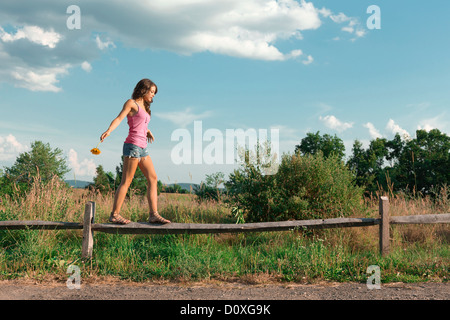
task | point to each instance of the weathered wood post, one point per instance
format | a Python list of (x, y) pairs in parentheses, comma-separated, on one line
[(384, 225), (88, 233)]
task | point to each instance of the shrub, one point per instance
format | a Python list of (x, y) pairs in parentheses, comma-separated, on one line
[(210, 190), (304, 187), (205, 193)]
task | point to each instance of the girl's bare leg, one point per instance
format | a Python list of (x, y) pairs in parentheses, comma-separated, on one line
[(147, 168), (129, 169)]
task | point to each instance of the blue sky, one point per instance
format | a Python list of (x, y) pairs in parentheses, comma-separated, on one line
[(297, 66)]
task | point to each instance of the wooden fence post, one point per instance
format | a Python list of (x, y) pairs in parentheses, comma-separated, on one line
[(88, 233), (384, 225)]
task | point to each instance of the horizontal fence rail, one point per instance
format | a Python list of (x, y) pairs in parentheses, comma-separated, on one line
[(419, 219), (197, 228), (88, 226), (39, 225)]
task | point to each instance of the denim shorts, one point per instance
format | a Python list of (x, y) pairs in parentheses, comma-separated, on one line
[(133, 151)]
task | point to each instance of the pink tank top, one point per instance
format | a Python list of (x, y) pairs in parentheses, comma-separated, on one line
[(138, 124)]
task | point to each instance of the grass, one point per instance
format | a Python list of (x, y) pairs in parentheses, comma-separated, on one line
[(418, 252)]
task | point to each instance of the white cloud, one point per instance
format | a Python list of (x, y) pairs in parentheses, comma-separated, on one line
[(86, 66), (27, 58), (427, 127), (374, 133), (41, 79), (339, 18), (34, 34), (353, 26), (10, 148), (325, 12), (246, 29), (360, 33), (395, 128), (437, 122), (42, 47), (183, 118), (308, 60), (348, 29), (333, 123), (85, 168), (103, 45)]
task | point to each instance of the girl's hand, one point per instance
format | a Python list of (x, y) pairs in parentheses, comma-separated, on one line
[(104, 135), (150, 137)]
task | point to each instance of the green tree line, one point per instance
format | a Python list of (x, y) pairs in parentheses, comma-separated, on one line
[(420, 164)]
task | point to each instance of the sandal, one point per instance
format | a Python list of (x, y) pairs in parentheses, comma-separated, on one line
[(118, 219), (156, 218)]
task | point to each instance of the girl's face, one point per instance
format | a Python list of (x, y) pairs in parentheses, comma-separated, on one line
[(150, 94)]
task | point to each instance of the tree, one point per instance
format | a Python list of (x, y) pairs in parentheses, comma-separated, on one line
[(328, 145), (369, 165), (359, 165), (424, 162), (41, 162), (104, 181), (416, 165)]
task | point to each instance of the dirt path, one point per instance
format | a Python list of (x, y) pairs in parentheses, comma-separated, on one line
[(20, 290)]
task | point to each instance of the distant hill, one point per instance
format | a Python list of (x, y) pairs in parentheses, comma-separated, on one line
[(78, 184), (190, 187)]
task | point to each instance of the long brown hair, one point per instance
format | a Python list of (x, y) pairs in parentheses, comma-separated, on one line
[(142, 87)]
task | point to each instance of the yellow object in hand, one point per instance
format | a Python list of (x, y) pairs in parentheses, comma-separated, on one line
[(96, 150)]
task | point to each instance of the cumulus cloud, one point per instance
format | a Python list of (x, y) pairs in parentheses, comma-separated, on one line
[(246, 29), (86, 66), (35, 59), (394, 128), (426, 126), (437, 122), (20, 62), (85, 168), (352, 25), (10, 148), (34, 34), (39, 47), (36, 47), (334, 123), (103, 45), (308, 60), (39, 79), (374, 133)]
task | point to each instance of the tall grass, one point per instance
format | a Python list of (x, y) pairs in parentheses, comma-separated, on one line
[(419, 253)]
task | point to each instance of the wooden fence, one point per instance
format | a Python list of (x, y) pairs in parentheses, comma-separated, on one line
[(89, 226)]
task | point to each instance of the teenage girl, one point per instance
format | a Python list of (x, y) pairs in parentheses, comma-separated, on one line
[(137, 111)]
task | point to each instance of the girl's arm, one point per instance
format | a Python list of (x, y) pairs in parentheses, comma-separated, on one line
[(115, 123), (150, 137)]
